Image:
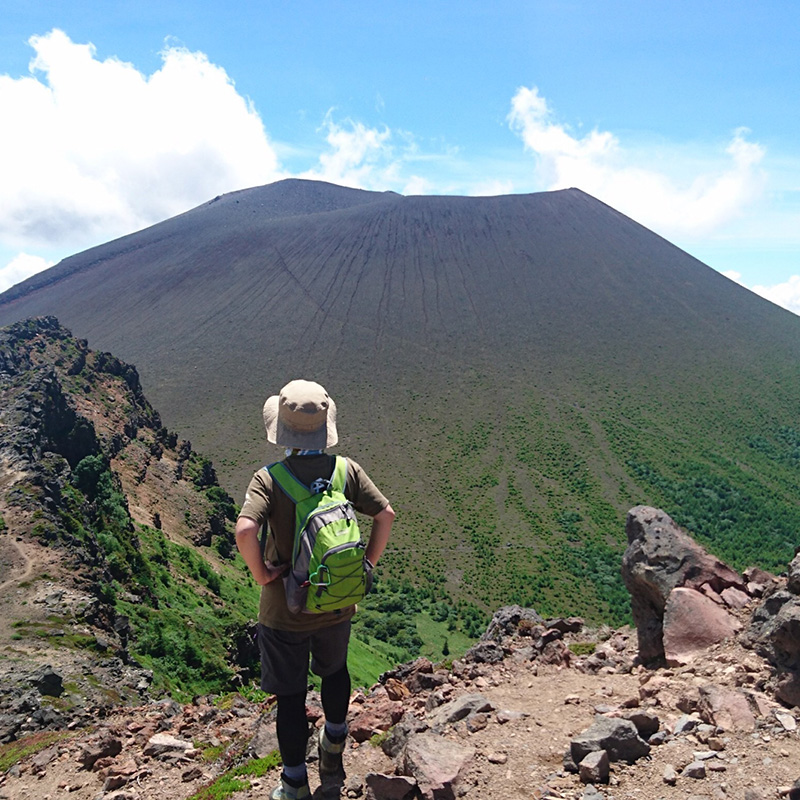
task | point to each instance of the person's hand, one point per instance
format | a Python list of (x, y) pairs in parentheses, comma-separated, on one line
[(369, 568), (272, 572)]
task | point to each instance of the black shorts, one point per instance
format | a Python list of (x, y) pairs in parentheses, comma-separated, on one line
[(284, 656)]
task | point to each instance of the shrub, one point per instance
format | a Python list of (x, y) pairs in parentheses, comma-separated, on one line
[(583, 648)]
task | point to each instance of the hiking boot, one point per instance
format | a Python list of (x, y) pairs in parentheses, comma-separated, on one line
[(331, 769), (287, 790)]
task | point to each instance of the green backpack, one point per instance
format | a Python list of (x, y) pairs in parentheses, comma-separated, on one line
[(328, 570)]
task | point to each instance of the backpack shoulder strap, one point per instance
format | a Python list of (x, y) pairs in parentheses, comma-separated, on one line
[(284, 477), (339, 474)]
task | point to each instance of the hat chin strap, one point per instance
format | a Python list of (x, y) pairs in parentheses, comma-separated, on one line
[(294, 451)]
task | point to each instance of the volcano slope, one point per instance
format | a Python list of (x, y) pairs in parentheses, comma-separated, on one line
[(516, 372)]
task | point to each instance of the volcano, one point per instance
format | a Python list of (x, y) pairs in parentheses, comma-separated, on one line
[(515, 372)]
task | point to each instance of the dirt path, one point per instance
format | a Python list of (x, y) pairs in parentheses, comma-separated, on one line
[(13, 559)]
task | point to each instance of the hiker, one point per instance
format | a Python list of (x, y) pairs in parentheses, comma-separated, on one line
[(302, 418)]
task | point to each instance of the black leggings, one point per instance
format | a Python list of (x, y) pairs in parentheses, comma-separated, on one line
[(292, 725)]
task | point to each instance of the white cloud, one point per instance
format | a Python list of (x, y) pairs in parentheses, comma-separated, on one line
[(786, 295), (94, 149), (492, 188), (417, 185), (21, 267), (357, 156), (626, 180)]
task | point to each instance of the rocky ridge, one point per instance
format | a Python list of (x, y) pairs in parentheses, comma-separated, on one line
[(82, 452)]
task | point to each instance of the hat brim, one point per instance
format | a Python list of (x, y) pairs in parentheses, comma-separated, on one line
[(280, 434)]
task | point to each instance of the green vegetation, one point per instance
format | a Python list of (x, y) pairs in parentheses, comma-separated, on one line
[(377, 739), (185, 611), (398, 622), (582, 648), (183, 636), (235, 779), (182, 609), (515, 373), (15, 751), (511, 481)]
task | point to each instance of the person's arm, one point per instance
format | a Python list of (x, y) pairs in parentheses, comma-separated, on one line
[(379, 535), (248, 544)]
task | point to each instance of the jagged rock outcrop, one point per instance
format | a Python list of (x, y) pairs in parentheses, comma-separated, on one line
[(660, 558), (84, 458), (684, 600), (506, 622), (774, 633)]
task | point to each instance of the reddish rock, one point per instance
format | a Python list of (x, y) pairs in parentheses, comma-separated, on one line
[(103, 763), (688, 700), (375, 717), (692, 623), (556, 653), (758, 581), (314, 712), (712, 595), (594, 768), (396, 689), (104, 746), (118, 775), (726, 709), (734, 598), (437, 764), (389, 787), (787, 690)]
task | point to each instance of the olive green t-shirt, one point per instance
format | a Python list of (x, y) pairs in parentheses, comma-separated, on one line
[(266, 504)]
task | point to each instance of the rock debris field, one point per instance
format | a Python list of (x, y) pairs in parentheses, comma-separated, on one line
[(536, 709)]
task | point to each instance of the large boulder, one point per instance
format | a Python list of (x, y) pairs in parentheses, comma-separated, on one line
[(661, 557)]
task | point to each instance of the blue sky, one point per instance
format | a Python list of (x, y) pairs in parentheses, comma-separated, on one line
[(683, 115)]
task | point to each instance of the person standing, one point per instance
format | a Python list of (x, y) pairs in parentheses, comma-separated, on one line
[(302, 418)]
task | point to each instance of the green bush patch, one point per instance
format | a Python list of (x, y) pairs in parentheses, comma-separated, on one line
[(235, 780), (14, 752)]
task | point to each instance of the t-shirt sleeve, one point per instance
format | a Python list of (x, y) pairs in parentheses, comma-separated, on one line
[(362, 492), (257, 498)]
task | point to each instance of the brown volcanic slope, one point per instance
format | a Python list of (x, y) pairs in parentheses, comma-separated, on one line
[(439, 324)]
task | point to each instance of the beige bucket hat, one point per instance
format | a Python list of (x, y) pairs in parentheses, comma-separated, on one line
[(302, 416)]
